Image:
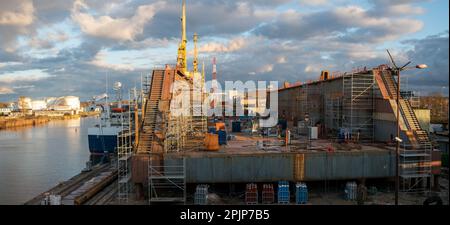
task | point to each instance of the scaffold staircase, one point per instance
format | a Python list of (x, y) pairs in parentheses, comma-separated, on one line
[(150, 122), (415, 156), (415, 133)]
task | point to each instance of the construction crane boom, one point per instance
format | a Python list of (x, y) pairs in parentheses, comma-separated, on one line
[(182, 59), (195, 62)]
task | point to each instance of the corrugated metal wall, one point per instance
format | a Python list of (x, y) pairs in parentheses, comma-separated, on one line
[(289, 166), (268, 167), (349, 166)]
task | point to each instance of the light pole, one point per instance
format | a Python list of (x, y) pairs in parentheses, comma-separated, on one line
[(396, 70)]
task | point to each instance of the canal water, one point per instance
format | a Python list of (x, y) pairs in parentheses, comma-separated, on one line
[(34, 159)]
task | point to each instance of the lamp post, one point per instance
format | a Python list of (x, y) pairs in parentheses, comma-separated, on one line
[(396, 70)]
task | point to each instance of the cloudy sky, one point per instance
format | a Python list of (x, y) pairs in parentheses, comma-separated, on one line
[(66, 47)]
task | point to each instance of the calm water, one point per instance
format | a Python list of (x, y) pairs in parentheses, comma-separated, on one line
[(34, 159)]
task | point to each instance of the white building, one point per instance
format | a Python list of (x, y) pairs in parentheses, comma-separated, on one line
[(38, 105), (5, 111)]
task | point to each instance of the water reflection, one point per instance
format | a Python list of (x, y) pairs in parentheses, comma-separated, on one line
[(33, 159)]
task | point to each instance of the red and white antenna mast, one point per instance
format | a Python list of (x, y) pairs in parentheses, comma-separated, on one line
[(214, 80), (214, 75)]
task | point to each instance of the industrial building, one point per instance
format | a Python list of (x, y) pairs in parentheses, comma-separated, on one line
[(52, 106)]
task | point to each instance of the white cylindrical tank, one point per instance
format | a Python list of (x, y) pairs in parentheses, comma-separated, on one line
[(38, 105), (50, 101), (24, 103), (64, 103), (72, 102)]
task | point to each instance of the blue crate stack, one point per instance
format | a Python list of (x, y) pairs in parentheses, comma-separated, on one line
[(301, 193), (283, 192)]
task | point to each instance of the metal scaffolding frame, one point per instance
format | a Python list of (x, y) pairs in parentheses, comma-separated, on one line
[(415, 168), (186, 132), (333, 112), (197, 119), (303, 98), (307, 92), (166, 179), (175, 135), (146, 83), (124, 152), (358, 104)]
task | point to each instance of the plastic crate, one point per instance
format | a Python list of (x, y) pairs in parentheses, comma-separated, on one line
[(251, 194), (301, 193), (201, 195), (268, 195), (283, 192)]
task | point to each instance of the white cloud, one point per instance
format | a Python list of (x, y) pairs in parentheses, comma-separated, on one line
[(9, 64), (49, 40), (351, 23), (17, 13), (6, 90), (122, 29), (405, 9), (312, 69), (23, 76), (231, 46), (281, 60), (313, 2), (23, 86), (100, 60), (266, 68)]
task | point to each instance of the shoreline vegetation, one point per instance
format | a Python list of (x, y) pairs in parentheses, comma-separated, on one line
[(29, 121)]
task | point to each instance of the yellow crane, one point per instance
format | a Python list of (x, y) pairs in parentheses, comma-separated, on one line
[(195, 62), (182, 59)]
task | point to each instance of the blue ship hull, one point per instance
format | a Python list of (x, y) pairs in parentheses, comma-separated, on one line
[(99, 144)]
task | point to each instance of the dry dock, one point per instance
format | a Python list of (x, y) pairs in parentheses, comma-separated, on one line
[(99, 194), (241, 161)]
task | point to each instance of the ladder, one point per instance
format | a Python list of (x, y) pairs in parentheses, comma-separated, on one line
[(147, 136), (412, 123)]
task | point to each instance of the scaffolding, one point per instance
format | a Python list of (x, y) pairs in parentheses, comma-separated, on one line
[(166, 179), (146, 83), (124, 151), (333, 111), (197, 120), (303, 98), (415, 168), (175, 135), (358, 105), (186, 132)]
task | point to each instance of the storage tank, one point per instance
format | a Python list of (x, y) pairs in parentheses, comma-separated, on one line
[(38, 105), (65, 103), (50, 101), (24, 103), (72, 102)]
